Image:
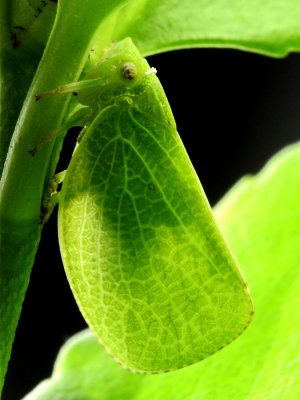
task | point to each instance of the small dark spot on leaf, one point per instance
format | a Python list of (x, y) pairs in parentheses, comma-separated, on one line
[(32, 152), (20, 28), (151, 186)]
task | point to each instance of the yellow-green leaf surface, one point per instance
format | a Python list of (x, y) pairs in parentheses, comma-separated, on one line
[(260, 216), (148, 267), (268, 26)]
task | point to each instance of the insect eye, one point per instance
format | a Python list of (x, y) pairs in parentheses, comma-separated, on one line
[(128, 71)]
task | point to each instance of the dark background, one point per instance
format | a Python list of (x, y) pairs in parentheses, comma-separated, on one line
[(234, 110)]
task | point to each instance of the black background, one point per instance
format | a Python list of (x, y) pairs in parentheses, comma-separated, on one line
[(234, 110)]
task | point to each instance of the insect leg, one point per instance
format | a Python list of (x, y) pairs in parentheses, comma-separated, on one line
[(72, 87), (80, 117), (51, 196)]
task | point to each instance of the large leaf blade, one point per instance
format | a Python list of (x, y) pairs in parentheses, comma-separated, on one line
[(269, 27)]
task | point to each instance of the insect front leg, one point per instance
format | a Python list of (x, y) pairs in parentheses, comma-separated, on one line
[(72, 87)]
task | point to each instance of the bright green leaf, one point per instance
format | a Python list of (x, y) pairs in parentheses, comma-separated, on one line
[(260, 217), (269, 26)]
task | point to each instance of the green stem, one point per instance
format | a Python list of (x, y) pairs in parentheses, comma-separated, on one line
[(19, 61), (24, 176)]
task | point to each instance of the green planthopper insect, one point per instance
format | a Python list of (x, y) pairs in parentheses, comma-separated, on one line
[(149, 269)]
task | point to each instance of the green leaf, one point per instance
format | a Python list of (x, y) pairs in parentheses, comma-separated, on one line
[(260, 218), (269, 27)]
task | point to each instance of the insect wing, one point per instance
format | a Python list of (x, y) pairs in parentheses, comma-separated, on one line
[(149, 269)]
